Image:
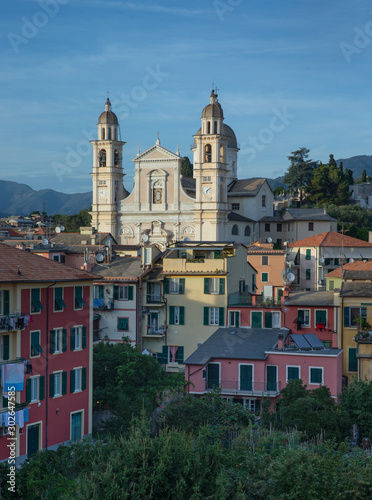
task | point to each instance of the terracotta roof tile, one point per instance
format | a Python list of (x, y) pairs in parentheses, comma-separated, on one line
[(330, 239), (350, 266), (20, 266)]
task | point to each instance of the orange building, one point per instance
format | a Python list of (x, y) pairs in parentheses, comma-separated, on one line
[(269, 264)]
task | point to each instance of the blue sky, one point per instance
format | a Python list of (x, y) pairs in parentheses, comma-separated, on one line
[(290, 74)]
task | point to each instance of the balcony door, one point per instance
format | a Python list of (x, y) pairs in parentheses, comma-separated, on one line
[(271, 378), (33, 439), (213, 375)]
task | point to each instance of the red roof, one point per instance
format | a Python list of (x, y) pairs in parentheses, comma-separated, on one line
[(20, 266), (350, 266), (330, 239)]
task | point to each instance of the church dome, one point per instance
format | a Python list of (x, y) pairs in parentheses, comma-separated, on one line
[(231, 142), (108, 117), (213, 109)]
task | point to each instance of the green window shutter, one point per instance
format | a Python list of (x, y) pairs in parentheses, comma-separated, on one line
[(52, 341), (164, 355), (166, 285), (206, 285), (5, 347), (271, 378), (316, 375), (123, 325), (83, 379), (116, 292), (353, 362), (213, 375), (72, 380), (64, 383), (182, 315), (72, 339), (308, 254), (171, 315), (204, 373), (346, 316), (6, 302), (363, 312), (245, 377), (222, 286), (268, 320), (41, 388), (293, 373), (64, 340), (221, 316), (84, 337), (51, 385), (217, 254), (206, 315), (256, 319), (237, 320), (180, 354), (130, 292), (182, 286), (308, 274), (265, 277), (321, 317), (28, 390), (100, 291)]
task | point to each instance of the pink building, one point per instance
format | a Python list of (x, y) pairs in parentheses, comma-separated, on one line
[(249, 364)]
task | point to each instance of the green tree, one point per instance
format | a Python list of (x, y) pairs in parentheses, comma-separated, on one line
[(332, 161), (349, 176), (72, 223), (328, 185), (300, 172), (279, 190), (356, 400), (186, 167), (364, 176)]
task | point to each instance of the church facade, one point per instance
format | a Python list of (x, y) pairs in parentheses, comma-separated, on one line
[(164, 206)]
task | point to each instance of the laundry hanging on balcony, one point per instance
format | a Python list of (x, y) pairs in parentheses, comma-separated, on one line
[(12, 377)]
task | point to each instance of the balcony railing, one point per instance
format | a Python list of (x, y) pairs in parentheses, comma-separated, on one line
[(12, 322), (246, 299), (233, 387), (152, 330), (363, 336), (154, 298)]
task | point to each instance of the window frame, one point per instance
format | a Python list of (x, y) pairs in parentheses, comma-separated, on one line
[(174, 285), (353, 349), (326, 313), (240, 377), (58, 303), (311, 226), (308, 325), (79, 301), (308, 274), (36, 305), (316, 368), (39, 350), (364, 315), (235, 314), (264, 260), (58, 332), (286, 372), (216, 314), (235, 206), (267, 227), (127, 324), (35, 381), (59, 375), (266, 275)]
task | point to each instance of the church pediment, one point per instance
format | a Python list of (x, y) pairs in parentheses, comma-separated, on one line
[(155, 153)]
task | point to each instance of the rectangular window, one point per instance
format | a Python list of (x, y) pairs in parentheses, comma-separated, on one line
[(352, 314), (123, 324), (78, 379), (263, 200), (256, 319), (153, 292), (36, 305), (308, 254), (4, 347), (267, 228), (98, 291), (265, 260), (174, 286), (214, 286), (303, 317), (316, 375), (147, 256), (56, 386), (293, 373), (321, 318), (331, 285), (279, 228), (78, 338), (268, 320), (176, 315), (235, 206), (35, 389), (58, 341), (36, 349), (207, 178), (264, 277), (79, 301), (234, 318), (352, 361), (271, 377), (213, 375), (59, 303), (252, 404), (311, 226), (214, 316), (246, 378), (308, 274)]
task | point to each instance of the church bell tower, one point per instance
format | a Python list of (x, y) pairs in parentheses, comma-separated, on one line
[(108, 189)]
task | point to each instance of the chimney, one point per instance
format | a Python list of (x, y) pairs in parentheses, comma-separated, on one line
[(280, 341)]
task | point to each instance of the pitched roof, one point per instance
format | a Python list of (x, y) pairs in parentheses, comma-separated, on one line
[(321, 298), (189, 186), (235, 343), (308, 214), (245, 187), (330, 239), (238, 217), (78, 238), (121, 268), (19, 266), (356, 289), (359, 265)]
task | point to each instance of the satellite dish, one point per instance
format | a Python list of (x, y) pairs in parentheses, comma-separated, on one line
[(321, 260), (351, 261), (58, 229), (145, 238), (100, 257), (269, 240), (291, 276), (44, 241), (187, 239), (62, 228)]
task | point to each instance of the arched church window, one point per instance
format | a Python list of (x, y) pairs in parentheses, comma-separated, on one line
[(103, 133), (109, 133), (157, 193), (222, 154), (208, 153), (102, 158), (116, 158), (215, 128), (247, 231), (235, 230), (208, 127)]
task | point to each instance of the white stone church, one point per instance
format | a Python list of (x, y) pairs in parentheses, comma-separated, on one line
[(164, 206)]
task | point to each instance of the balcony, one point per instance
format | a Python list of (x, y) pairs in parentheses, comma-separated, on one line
[(154, 298), (103, 304), (20, 418), (196, 265), (12, 322), (153, 331), (262, 389), (246, 299), (363, 337)]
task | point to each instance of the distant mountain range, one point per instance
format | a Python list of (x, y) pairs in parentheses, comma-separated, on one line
[(20, 199)]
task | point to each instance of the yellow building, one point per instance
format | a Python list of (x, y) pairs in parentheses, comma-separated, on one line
[(186, 294)]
